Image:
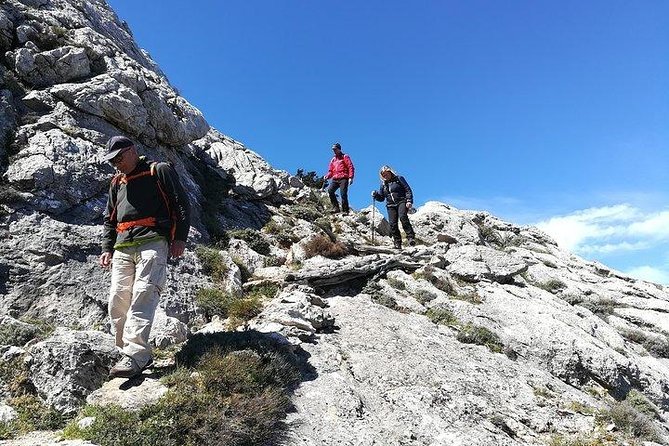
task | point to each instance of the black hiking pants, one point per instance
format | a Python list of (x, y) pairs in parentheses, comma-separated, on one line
[(339, 184), (399, 211)]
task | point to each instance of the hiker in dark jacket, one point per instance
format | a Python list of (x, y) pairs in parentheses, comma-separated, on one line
[(398, 196), (146, 220)]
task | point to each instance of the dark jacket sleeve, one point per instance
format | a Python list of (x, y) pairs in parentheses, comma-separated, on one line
[(179, 205), (407, 189), (380, 195), (109, 221)]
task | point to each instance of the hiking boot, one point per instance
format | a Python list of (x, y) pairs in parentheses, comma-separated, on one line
[(397, 244), (334, 211), (411, 241), (125, 368), (345, 212)]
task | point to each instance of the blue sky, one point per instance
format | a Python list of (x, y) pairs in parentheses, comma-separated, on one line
[(541, 112)]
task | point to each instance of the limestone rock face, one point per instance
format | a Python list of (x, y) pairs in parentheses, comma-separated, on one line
[(486, 333), (69, 365)]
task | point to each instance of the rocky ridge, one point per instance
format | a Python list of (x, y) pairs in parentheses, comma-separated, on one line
[(485, 333)]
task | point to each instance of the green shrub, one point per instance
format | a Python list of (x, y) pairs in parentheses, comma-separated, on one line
[(243, 310), (212, 263), (600, 308), (214, 302), (640, 403), (441, 284), (442, 316), (239, 396), (379, 296), (310, 179), (424, 296), (17, 334), (265, 291), (308, 213), (253, 238), (475, 334), (631, 422), (32, 414), (322, 245), (395, 283), (552, 285), (469, 296), (657, 346)]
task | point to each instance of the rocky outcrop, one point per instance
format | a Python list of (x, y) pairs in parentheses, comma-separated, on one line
[(68, 366), (485, 333)]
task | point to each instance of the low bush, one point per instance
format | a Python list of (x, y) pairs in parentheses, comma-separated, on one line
[(442, 316), (379, 296), (397, 284), (308, 213), (253, 238), (601, 308), (424, 296), (631, 422), (212, 263), (322, 245), (552, 285), (475, 334), (237, 396), (32, 415), (214, 302), (441, 284)]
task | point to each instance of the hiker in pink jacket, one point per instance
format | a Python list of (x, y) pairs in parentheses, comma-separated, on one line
[(340, 172)]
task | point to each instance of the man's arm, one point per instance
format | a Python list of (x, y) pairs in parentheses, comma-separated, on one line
[(108, 228), (349, 166), (179, 206)]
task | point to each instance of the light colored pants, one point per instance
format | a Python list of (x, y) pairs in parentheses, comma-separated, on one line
[(138, 277)]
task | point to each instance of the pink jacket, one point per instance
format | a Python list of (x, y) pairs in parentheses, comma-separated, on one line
[(340, 168)]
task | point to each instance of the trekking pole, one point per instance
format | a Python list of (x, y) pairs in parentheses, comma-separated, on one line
[(373, 212)]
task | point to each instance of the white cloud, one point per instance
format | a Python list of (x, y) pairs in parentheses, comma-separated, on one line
[(650, 273), (571, 231)]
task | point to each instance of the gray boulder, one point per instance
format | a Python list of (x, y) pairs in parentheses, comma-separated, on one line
[(69, 365), (56, 66)]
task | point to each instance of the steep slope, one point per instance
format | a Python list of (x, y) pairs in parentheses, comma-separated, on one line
[(486, 333)]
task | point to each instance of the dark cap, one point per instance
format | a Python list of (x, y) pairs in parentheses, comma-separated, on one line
[(336, 146), (115, 145)]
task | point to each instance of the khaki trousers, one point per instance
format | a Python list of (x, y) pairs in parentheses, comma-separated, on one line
[(138, 277)]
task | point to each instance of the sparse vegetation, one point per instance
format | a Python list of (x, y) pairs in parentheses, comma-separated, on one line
[(552, 285), (424, 296), (310, 179), (19, 334), (303, 212), (395, 283), (601, 308), (322, 245), (253, 238), (632, 419), (441, 284), (212, 263), (379, 296), (476, 334), (630, 422), (441, 315), (214, 302), (657, 345), (32, 415), (239, 396)]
